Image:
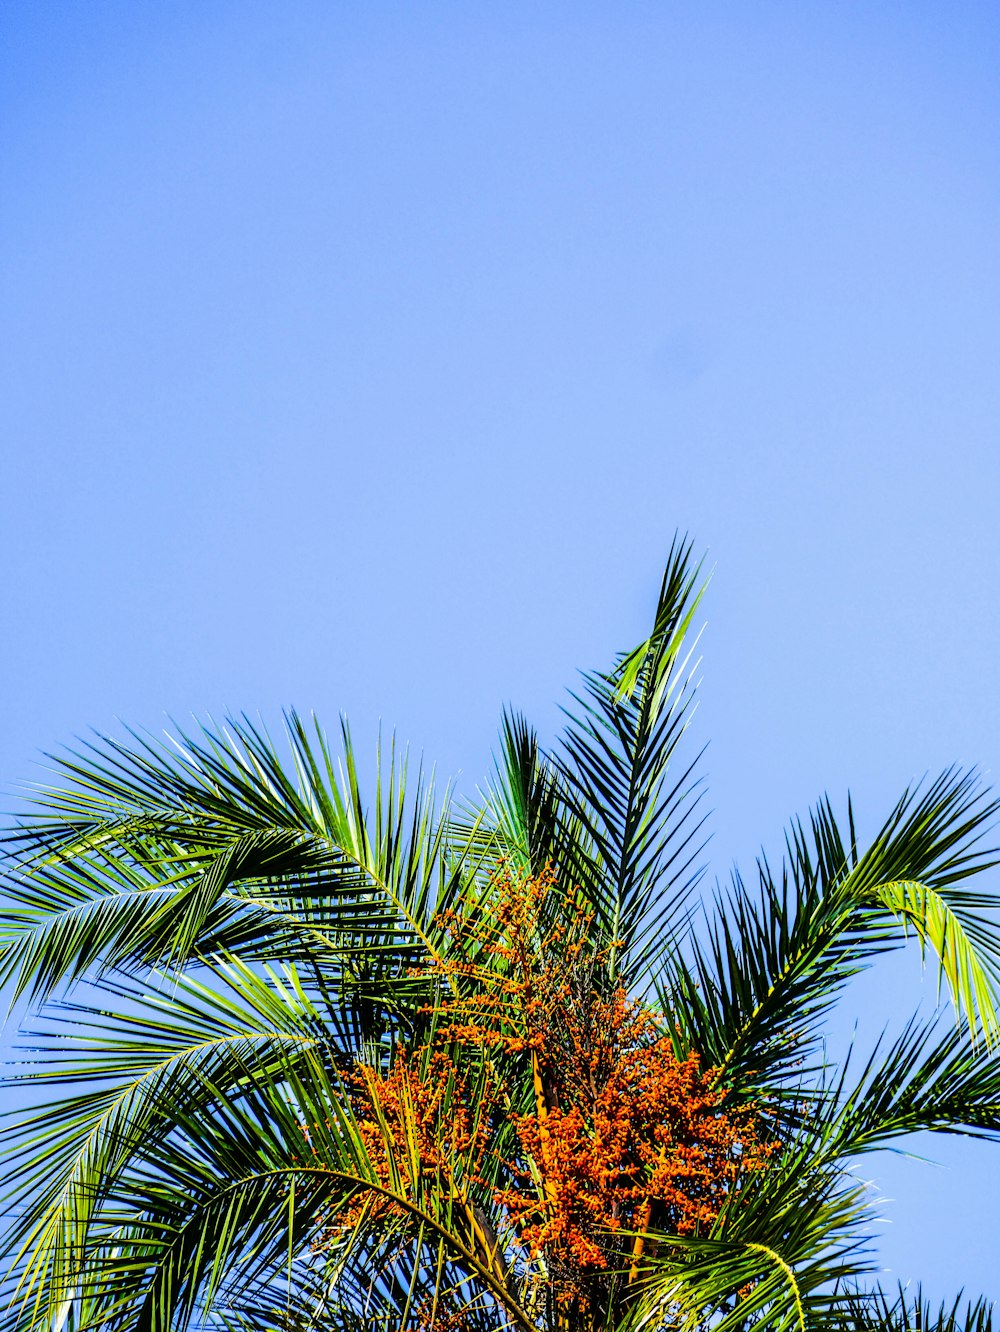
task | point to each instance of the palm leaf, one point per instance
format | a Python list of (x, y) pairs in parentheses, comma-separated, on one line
[(617, 760), (970, 971), (242, 861), (770, 964)]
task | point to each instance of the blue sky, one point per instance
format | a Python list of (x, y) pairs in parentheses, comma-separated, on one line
[(366, 357)]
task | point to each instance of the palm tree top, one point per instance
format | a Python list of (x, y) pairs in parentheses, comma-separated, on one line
[(308, 1052)]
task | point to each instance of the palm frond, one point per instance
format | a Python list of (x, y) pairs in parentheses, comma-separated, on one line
[(911, 1311), (922, 1082), (637, 805), (772, 962), (529, 817), (242, 860), (780, 1250)]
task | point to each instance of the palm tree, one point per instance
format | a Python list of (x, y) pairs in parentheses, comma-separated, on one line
[(321, 1059)]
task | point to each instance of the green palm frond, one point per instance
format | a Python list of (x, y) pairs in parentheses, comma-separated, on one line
[(971, 972), (637, 805), (171, 1053), (212, 1152), (773, 1264), (908, 1311), (253, 864), (771, 963), (921, 1082), (527, 814)]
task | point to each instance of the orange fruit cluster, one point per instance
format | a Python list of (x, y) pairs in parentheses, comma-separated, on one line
[(420, 1126), (624, 1132)]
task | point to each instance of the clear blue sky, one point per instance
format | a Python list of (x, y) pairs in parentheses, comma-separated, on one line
[(366, 356)]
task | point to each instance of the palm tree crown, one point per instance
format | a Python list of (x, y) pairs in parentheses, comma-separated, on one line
[(321, 1059)]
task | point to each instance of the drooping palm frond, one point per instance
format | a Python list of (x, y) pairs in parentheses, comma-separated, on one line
[(772, 962), (167, 1054), (234, 858), (207, 1163)]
